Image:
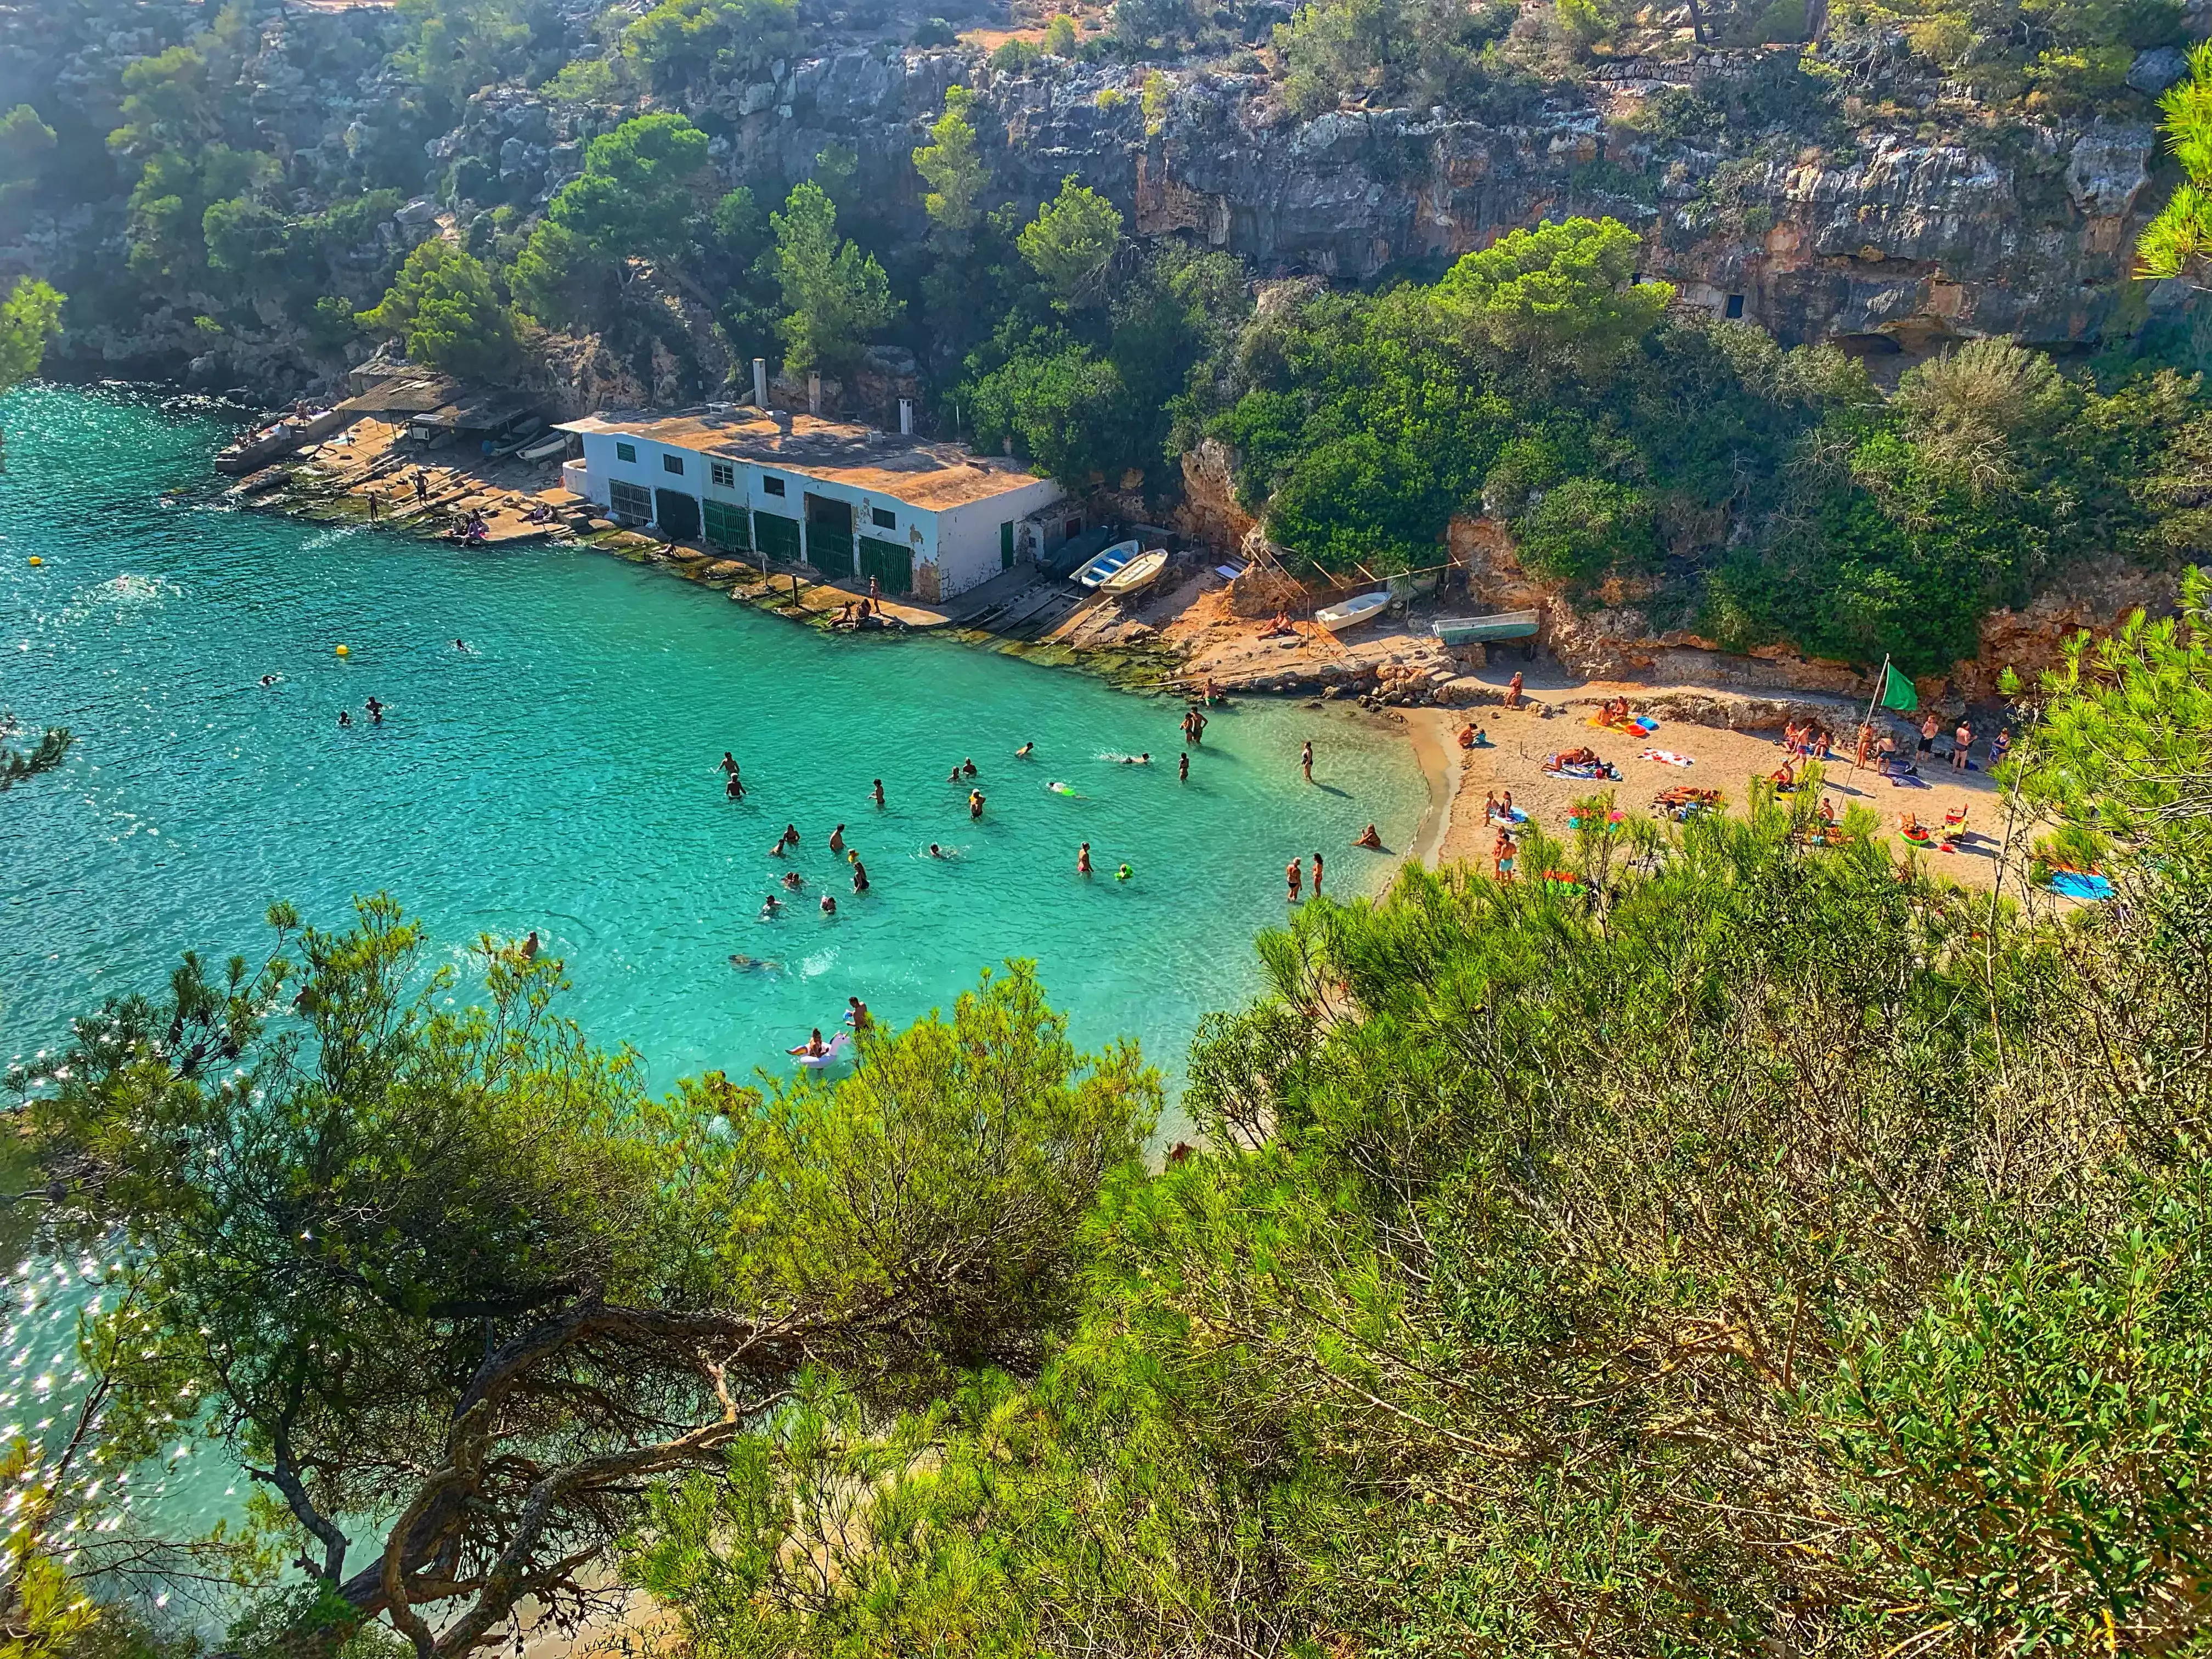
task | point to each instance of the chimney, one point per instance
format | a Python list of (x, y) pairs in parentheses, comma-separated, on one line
[(906, 417), (760, 383), (814, 394)]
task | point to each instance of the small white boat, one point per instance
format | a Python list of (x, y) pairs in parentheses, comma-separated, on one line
[(1137, 573), (1353, 611), (1107, 564)]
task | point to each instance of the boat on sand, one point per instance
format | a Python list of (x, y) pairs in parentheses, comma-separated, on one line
[(1353, 611), (1141, 572), (1098, 569)]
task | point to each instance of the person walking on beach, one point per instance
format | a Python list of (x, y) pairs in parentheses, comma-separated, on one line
[(1294, 876), (1182, 767), (1083, 860), (975, 803), (1305, 761), (879, 791), (1317, 880)]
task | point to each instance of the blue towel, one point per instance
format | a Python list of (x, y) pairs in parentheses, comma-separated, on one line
[(2069, 884)]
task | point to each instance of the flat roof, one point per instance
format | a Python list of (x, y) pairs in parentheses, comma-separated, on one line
[(915, 470)]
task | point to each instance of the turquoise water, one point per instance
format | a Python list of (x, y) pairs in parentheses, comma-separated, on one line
[(561, 774)]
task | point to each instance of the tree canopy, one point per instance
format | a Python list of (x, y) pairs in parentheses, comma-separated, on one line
[(1072, 242), (835, 296), (443, 308), (30, 317), (453, 1291)]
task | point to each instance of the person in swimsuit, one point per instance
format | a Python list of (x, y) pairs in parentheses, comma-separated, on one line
[(344, 718), (792, 881), (729, 763), (935, 851), (968, 769), (856, 1014), (1182, 767), (859, 877), (268, 679), (1370, 838), (1513, 691), (837, 839), (770, 906), (879, 791), (953, 776), (813, 1048), (1490, 807), (1025, 751), (460, 645), (1083, 860), (375, 712), (975, 803), (829, 905), (1295, 875), (1305, 762), (791, 835), (528, 949), (1501, 854), (1317, 880), (733, 790)]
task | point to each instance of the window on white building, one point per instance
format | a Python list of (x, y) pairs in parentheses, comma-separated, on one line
[(883, 517), (773, 486), (625, 452), (672, 464), (724, 475)]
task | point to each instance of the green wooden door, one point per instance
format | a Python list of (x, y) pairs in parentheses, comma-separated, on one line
[(1006, 545), (726, 526), (777, 536), (889, 563)]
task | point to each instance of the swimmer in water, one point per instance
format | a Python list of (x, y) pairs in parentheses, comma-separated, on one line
[(829, 905), (745, 964), (859, 877), (967, 768), (953, 776), (791, 835), (837, 839), (375, 712), (814, 1048), (1123, 873), (857, 1015), (729, 763), (1083, 860), (733, 790), (529, 952), (460, 645), (344, 718), (775, 851), (879, 791), (268, 679), (794, 881), (1025, 751), (1370, 838), (935, 851), (975, 803), (1182, 767), (771, 907)]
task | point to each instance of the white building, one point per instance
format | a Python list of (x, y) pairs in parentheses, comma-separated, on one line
[(926, 518)]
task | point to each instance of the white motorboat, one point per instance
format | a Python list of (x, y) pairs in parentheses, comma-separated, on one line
[(1107, 564), (1361, 608), (1140, 571)]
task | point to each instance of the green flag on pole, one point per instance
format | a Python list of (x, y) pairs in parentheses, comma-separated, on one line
[(1897, 690)]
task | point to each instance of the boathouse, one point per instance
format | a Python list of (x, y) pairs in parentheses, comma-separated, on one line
[(924, 518)]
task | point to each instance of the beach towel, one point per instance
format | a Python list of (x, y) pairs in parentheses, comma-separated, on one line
[(1668, 757), (1908, 781), (2074, 885), (1587, 774)]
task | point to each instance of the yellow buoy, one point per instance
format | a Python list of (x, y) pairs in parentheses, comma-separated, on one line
[(35, 559), (343, 651)]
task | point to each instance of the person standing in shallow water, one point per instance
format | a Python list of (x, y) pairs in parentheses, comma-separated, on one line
[(1317, 880), (1305, 761), (879, 791), (975, 803), (1292, 874), (1182, 767), (1083, 860), (837, 839)]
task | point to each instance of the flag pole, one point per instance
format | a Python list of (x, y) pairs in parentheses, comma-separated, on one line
[(1881, 685)]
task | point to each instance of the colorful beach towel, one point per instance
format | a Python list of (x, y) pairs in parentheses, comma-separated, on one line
[(1668, 758)]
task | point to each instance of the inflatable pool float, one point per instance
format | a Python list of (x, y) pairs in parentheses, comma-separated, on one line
[(1060, 789), (829, 1055)]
